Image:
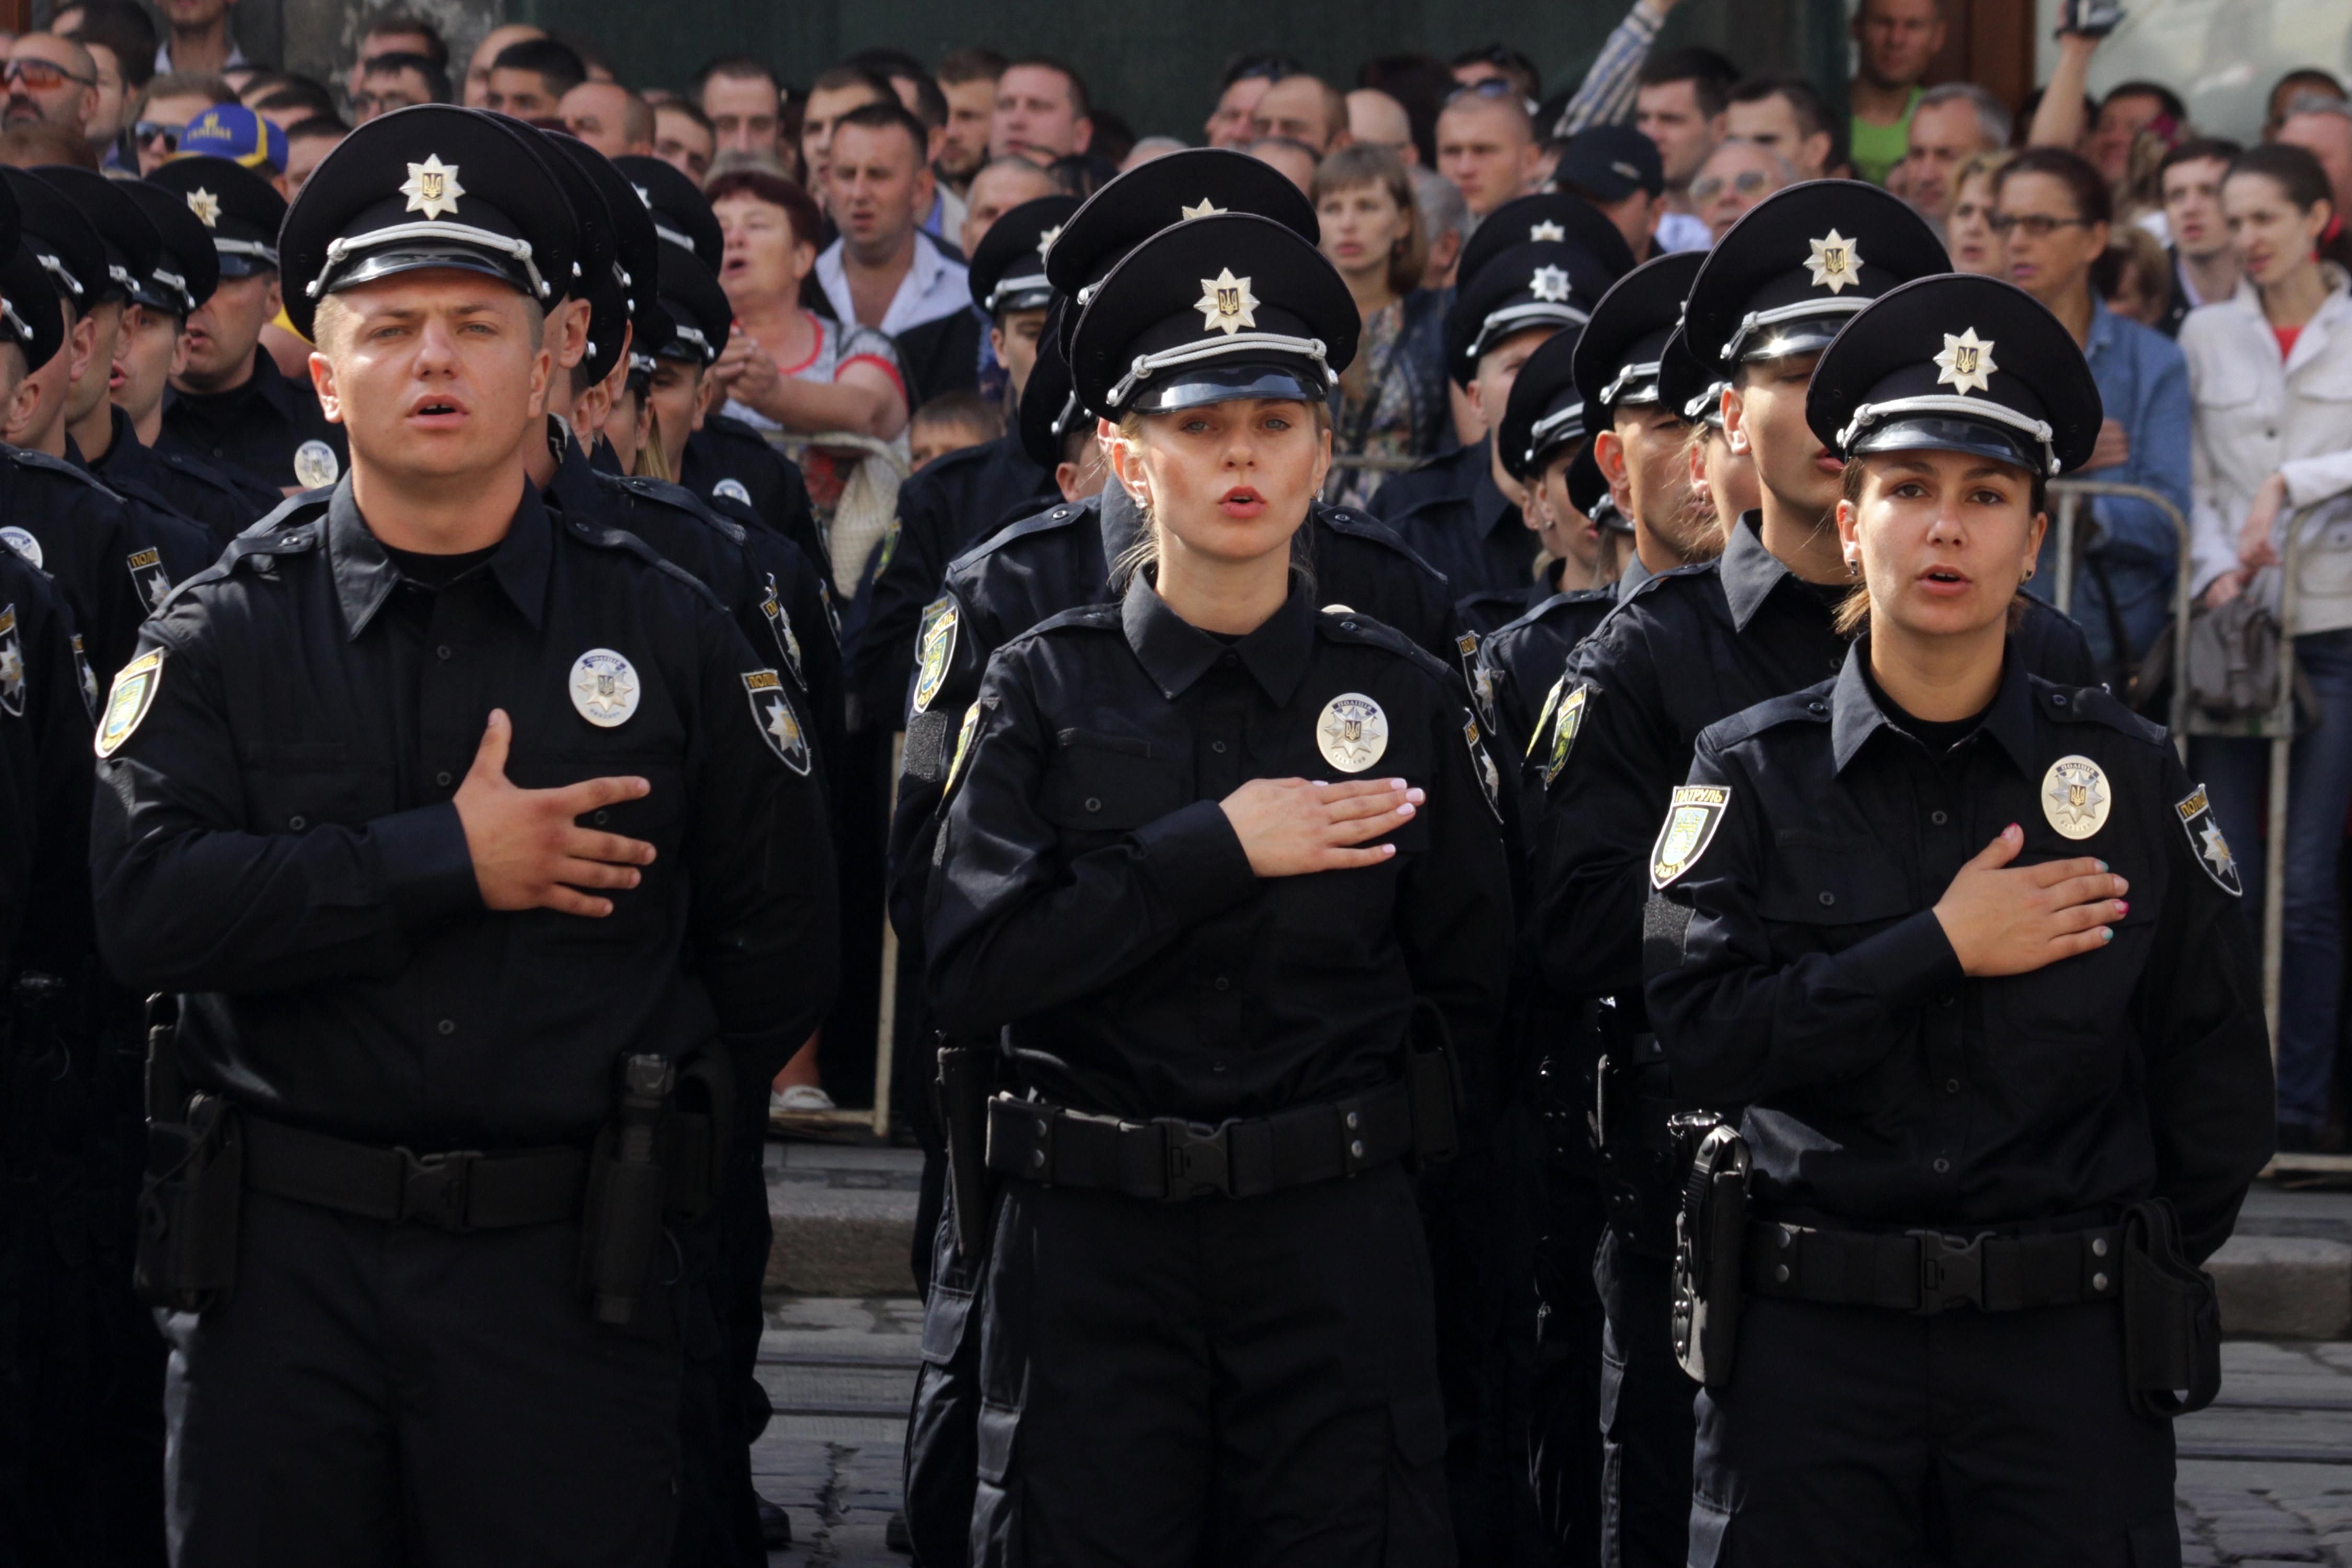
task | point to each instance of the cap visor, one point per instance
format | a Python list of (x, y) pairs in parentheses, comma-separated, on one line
[(372, 266), (1974, 437), (1198, 387)]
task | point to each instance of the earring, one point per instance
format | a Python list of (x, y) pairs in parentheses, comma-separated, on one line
[(2029, 572), (1854, 568)]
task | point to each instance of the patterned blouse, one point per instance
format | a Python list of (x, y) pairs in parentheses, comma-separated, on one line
[(1391, 401)]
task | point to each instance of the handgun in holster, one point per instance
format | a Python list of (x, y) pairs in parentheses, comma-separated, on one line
[(194, 1192), (967, 1076), (1710, 1235)]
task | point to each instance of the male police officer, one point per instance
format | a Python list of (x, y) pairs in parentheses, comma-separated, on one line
[(481, 841)]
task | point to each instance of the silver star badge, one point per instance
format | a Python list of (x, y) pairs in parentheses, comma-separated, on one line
[(1549, 284), (206, 206), (1226, 304), (1965, 365), (1546, 230), (2217, 850), (1206, 210), (1046, 240), (1834, 262), (432, 187)]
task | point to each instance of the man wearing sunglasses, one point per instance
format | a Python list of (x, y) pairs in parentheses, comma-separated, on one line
[(174, 100), (52, 80)]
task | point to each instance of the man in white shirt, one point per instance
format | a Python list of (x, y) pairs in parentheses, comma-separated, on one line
[(884, 272)]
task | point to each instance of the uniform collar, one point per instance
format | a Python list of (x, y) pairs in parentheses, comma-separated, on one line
[(1488, 505), (1630, 580), (574, 489), (365, 576), (1175, 653), (1855, 711), (1749, 572)]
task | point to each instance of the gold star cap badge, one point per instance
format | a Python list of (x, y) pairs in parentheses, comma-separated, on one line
[(206, 206), (1206, 210), (1226, 304), (432, 187), (1965, 365), (1549, 284), (1834, 262)]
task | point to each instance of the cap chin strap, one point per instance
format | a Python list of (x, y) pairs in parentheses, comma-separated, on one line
[(17, 326), (663, 231), (1631, 372), (1502, 323), (1061, 426), (1707, 405), (1868, 414), (1568, 425), (341, 250), (261, 252), (1029, 283), (1146, 366), (1756, 321), (56, 269), (693, 338), (176, 281)]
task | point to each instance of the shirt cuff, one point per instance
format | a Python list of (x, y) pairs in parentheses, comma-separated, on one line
[(428, 870), (1197, 860), (1647, 16), (1906, 963)]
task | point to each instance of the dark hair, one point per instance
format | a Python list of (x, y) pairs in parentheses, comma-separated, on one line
[(737, 67), (1268, 64), (808, 222), (1081, 101), (409, 24), (972, 63), (2165, 97), (967, 408), (296, 93), (558, 65), (2298, 175), (2094, 203), (1710, 75), (127, 31), (688, 108), (436, 80), (2198, 150), (318, 125), (1812, 114), (1113, 139), (895, 65), (1510, 62), (884, 116), (2323, 84), (849, 73), (1420, 82)]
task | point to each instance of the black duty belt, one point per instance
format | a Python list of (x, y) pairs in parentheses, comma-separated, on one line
[(1926, 1271), (458, 1190), (1169, 1160)]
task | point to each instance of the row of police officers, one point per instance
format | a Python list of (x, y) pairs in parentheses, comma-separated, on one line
[(1573, 1018)]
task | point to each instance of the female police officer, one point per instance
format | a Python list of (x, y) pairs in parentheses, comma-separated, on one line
[(1966, 946), (1208, 854)]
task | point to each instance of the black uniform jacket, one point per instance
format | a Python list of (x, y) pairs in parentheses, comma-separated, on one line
[(763, 478), (255, 429), (278, 836), (1453, 514), (1798, 969), (1692, 645), (223, 499), (1092, 900), (44, 777)]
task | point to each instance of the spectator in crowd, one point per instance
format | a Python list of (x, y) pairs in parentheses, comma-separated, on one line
[(35, 143), (1617, 169), (1042, 111), (2323, 127), (1392, 399), (2065, 116), (395, 82), (199, 40), (396, 33), (1968, 233), (529, 80), (1422, 83), (1487, 146), (1609, 91), (2306, 82), (742, 102), (1736, 176), (1680, 105), (1445, 219), (967, 80), (1297, 160), (288, 103), (1895, 41), (684, 138), (1246, 82), (1002, 184), (2204, 267), (308, 142), (609, 118), (1500, 63), (920, 96), (949, 423), (884, 272), (1376, 119), (1950, 124), (2134, 277), (2053, 210), (1148, 149), (2273, 437), (1784, 115), (121, 38), (495, 42), (174, 100), (837, 93), (1304, 109), (52, 80)]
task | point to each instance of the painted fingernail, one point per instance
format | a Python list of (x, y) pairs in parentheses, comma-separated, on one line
[(2122, 909), (2102, 864), (2107, 933), (1405, 810)]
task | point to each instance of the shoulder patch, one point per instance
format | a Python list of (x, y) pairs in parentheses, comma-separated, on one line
[(1566, 724), (732, 489), (12, 665), (132, 695), (2206, 844), (934, 649), (24, 544), (1693, 814), (1085, 617), (772, 715), (59, 467), (1490, 781), (771, 605), (149, 577)]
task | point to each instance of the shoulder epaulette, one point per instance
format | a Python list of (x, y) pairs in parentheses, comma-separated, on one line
[(1810, 706), (1051, 520), (1084, 618), (663, 492), (1364, 526), (44, 463), (628, 544), (2094, 705), (1556, 606), (1355, 627), (295, 527)]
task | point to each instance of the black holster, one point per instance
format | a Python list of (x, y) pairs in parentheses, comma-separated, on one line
[(661, 1158), (1433, 1084), (1632, 1117), (967, 1076), (193, 1190), (2172, 1316), (1710, 1237)]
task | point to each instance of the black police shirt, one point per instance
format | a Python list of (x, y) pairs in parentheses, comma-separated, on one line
[(1519, 674), (223, 499), (1797, 968), (728, 459), (276, 833), (1454, 516), (256, 428), (1093, 900), (1690, 646), (45, 718)]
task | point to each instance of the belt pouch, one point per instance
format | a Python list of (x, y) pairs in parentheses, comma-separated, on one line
[(626, 1191), (2172, 1318), (1433, 1085), (188, 1208), (1710, 1234)]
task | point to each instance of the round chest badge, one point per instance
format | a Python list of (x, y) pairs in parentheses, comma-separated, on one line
[(603, 688), (315, 465), (22, 543), (1352, 732), (2074, 796), (732, 489)]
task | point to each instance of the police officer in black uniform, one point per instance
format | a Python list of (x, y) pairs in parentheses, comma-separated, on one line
[(1638, 438), (1693, 645), (259, 423), (1535, 265), (1207, 974), (1965, 946), (481, 842)]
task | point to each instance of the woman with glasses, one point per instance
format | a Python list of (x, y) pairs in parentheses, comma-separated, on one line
[(1392, 401), (1737, 176), (2273, 370), (1968, 231), (2051, 210)]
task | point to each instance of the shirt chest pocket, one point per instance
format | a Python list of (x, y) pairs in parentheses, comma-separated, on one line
[(1837, 889), (1104, 784), (293, 786), (2226, 382)]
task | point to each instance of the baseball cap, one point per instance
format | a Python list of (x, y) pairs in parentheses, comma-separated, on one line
[(233, 131)]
